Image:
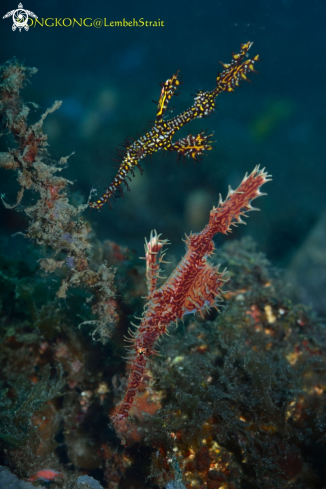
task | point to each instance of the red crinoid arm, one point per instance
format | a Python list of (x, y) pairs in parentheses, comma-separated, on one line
[(143, 341), (135, 380), (236, 204), (204, 291), (154, 257), (194, 284)]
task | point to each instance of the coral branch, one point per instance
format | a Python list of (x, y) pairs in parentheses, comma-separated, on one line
[(195, 284), (162, 132), (53, 221)]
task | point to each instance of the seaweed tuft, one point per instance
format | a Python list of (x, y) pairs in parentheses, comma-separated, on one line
[(53, 223)]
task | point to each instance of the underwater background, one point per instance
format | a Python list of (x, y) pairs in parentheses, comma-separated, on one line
[(107, 78)]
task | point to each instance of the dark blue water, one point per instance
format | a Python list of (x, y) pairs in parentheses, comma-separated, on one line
[(107, 78)]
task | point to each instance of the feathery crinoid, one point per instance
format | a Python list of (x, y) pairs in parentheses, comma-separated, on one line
[(194, 285), (160, 135)]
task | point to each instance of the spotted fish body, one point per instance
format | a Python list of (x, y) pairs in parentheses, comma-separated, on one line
[(161, 134)]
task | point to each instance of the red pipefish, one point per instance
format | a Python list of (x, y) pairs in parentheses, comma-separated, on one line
[(195, 283)]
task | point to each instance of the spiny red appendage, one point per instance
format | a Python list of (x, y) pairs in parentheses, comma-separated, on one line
[(236, 204), (135, 380), (154, 257), (195, 284)]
